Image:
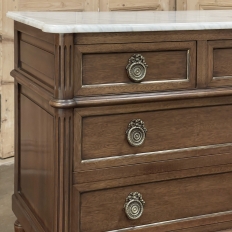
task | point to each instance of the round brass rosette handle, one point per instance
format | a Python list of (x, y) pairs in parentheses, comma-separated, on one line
[(134, 205), (136, 132), (136, 68)]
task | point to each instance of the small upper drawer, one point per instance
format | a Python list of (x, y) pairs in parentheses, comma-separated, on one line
[(219, 63), (138, 67)]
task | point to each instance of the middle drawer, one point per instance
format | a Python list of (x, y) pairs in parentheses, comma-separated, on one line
[(137, 67), (116, 138)]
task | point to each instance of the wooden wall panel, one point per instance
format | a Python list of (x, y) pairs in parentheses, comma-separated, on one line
[(7, 50), (6, 81), (36, 131), (91, 5), (203, 4), (119, 5), (181, 4)]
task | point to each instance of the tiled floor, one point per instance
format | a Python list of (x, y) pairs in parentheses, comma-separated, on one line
[(7, 217)]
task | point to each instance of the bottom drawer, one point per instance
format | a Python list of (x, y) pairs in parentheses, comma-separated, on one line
[(103, 210)]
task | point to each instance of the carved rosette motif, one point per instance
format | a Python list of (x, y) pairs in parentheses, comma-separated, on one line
[(134, 205), (136, 132), (136, 68)]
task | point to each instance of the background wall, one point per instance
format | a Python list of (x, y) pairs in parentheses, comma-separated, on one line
[(203, 4), (7, 51)]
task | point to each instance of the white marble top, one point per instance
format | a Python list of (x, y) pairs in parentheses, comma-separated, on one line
[(75, 22)]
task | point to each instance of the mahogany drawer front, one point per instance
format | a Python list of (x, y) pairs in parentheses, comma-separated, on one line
[(164, 201), (219, 63), (105, 68)]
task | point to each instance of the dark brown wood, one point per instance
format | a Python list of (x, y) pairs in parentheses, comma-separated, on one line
[(111, 68), (151, 37), (64, 83), (35, 45), (104, 67), (157, 177), (36, 41), (165, 201), (217, 93), (226, 230), (73, 102), (167, 165)]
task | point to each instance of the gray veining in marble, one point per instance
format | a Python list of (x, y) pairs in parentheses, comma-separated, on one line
[(75, 22)]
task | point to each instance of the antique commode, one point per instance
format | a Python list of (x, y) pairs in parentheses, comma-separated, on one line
[(123, 121)]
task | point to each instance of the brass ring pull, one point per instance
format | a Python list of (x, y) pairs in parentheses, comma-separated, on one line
[(134, 205), (136, 68), (136, 132)]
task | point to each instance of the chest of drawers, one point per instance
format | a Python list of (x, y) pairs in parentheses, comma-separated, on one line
[(122, 131)]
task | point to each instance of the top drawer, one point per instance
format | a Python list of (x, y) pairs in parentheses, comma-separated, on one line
[(136, 67)]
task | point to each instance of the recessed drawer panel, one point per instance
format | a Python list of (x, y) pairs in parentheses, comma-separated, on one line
[(220, 58), (123, 68), (158, 202), (136, 133)]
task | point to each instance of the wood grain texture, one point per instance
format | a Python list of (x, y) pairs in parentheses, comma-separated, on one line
[(7, 23), (119, 5), (37, 161), (7, 99), (28, 64), (157, 166), (7, 61), (64, 82), (172, 175), (150, 37), (111, 68), (80, 102), (165, 201), (105, 136), (181, 4), (34, 32), (202, 63), (104, 67), (78, 160), (214, 227), (18, 227), (23, 213), (52, 5), (63, 166), (222, 59), (6, 81)]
